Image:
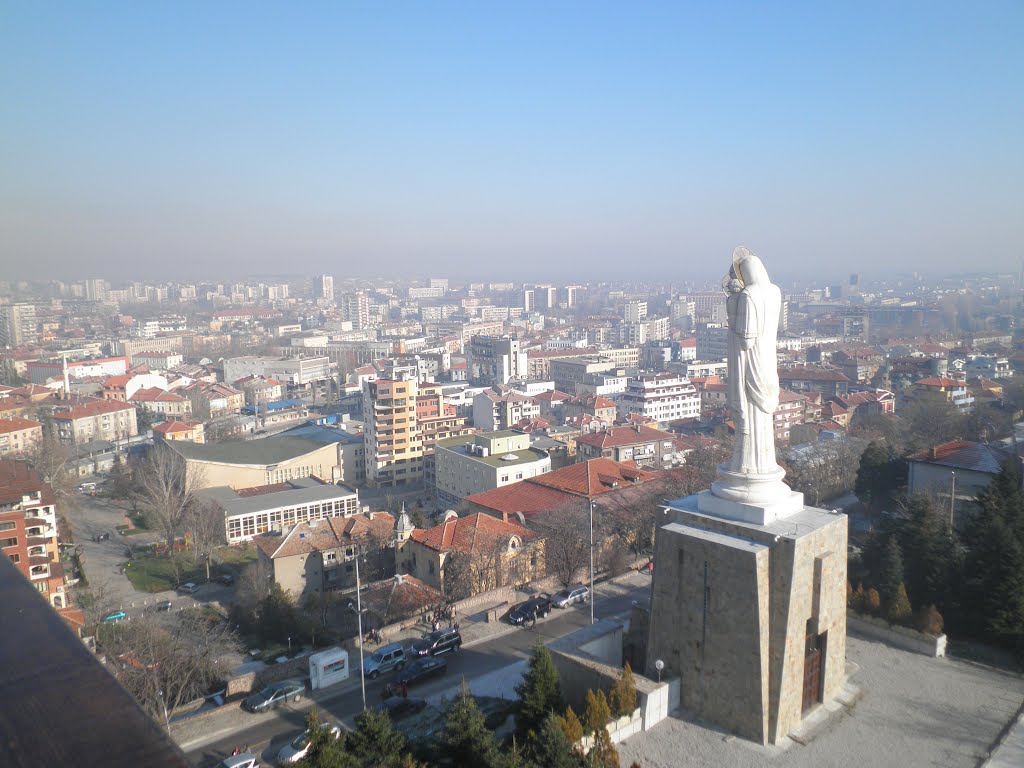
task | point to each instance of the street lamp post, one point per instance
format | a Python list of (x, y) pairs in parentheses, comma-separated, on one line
[(591, 561), (952, 498), (359, 617), (163, 705)]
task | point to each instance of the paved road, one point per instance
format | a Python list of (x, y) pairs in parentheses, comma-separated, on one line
[(270, 731)]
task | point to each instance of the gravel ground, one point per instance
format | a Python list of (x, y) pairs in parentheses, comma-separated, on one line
[(915, 711)]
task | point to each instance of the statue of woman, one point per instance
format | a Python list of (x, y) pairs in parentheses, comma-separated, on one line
[(753, 391)]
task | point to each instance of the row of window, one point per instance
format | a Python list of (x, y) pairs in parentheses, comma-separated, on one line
[(246, 526)]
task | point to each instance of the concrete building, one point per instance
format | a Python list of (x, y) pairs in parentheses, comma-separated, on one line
[(355, 308), (498, 408), (663, 397), (28, 537), (41, 371), (251, 463), (394, 452), (468, 465), (250, 512), (96, 420), (957, 468), (325, 287), (18, 325), (213, 401), (649, 448), (712, 341), (495, 360), (18, 435), (291, 371), (942, 389), (259, 390), (634, 311), (567, 372), (123, 387), (807, 378), (168, 405)]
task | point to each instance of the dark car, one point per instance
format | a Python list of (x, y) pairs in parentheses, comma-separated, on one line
[(163, 605), (274, 695), (438, 641), (526, 613), (420, 670), (398, 707), (227, 579)]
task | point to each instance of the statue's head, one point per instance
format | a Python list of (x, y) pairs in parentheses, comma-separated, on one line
[(748, 268)]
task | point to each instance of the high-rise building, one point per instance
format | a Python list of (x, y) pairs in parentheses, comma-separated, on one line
[(355, 307), (572, 295), (325, 287), (96, 289), (18, 325), (712, 341), (529, 300), (635, 311), (496, 360), (394, 452)]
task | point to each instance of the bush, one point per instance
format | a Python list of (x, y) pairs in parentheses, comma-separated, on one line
[(873, 602), (859, 600), (623, 695), (571, 725), (929, 620), (899, 611)]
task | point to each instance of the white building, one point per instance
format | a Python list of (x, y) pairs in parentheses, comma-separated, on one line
[(469, 465), (663, 397), (496, 360), (325, 286), (498, 408), (635, 311), (292, 371)]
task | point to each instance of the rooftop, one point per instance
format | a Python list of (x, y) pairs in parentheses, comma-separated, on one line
[(477, 532), (269, 450), (239, 503)]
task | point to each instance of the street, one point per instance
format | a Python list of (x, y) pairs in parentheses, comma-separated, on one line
[(270, 731)]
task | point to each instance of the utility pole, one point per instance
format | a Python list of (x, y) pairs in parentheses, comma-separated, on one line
[(359, 615), (952, 499), (591, 561)]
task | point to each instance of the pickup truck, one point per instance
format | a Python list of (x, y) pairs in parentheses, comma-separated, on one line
[(527, 612)]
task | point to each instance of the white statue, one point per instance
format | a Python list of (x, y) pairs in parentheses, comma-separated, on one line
[(753, 306)]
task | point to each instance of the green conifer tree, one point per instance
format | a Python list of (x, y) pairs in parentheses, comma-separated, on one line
[(466, 740), (540, 693)]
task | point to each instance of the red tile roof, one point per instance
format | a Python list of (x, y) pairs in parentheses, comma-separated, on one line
[(16, 424), (629, 435), (95, 408), (474, 533), (167, 427), (940, 381), (155, 395)]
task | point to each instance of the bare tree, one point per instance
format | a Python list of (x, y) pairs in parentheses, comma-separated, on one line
[(166, 667), (566, 532), (167, 491), (205, 521), (54, 461)]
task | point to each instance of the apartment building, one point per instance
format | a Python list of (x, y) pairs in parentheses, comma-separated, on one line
[(18, 435), (941, 389), (291, 371), (97, 420), (259, 390), (168, 405), (192, 431), (28, 534), (498, 408), (211, 401), (18, 325), (663, 397), (394, 451), (468, 465), (495, 360)]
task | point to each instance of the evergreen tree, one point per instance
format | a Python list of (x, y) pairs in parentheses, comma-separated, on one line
[(623, 696), (898, 610), (603, 754), (466, 740), (375, 743), (878, 475), (540, 693), (597, 713), (929, 552), (890, 575), (552, 749), (325, 751), (571, 726), (994, 586)]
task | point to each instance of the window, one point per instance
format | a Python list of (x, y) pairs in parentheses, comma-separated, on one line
[(7, 526), (4, 543), (15, 557)]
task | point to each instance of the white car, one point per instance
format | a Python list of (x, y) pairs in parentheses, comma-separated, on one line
[(297, 748), (567, 597), (244, 760)]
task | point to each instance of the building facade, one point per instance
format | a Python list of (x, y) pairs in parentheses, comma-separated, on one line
[(663, 397), (98, 420), (468, 465)]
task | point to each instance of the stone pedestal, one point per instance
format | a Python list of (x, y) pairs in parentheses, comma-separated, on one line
[(742, 591)]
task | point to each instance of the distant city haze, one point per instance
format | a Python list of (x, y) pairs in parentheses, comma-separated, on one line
[(564, 141)]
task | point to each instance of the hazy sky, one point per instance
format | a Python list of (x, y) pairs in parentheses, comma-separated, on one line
[(575, 140)]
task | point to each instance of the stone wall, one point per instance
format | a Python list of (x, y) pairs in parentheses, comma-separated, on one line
[(898, 637)]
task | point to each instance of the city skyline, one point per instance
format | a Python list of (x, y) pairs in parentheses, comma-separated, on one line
[(574, 143)]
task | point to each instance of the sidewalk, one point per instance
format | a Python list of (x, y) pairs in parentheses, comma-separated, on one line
[(195, 732)]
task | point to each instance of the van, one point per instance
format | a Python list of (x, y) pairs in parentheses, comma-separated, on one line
[(384, 659)]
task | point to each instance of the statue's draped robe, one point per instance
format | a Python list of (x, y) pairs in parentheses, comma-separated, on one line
[(753, 370)]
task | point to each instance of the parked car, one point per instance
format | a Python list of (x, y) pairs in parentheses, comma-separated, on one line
[(244, 760), (571, 596), (110, 618), (227, 579), (398, 707), (420, 670), (296, 749), (384, 659), (274, 695), (439, 641), (527, 612), (163, 606), (188, 588)]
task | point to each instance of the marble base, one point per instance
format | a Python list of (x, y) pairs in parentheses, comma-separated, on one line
[(758, 513)]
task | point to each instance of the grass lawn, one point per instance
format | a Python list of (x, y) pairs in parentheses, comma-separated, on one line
[(238, 555), (156, 574)]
